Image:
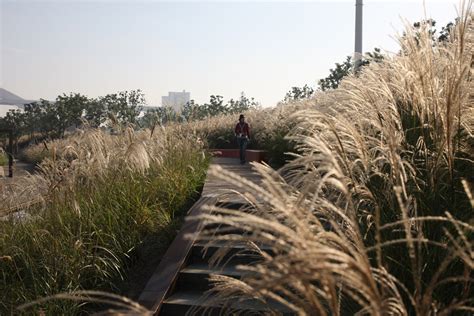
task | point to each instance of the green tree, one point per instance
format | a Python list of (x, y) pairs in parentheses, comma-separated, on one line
[(430, 24), (336, 75), (69, 110), (159, 116), (33, 113), (49, 119), (14, 120), (193, 111), (297, 93), (446, 31), (95, 112), (215, 106), (125, 106), (241, 105), (151, 119), (347, 67)]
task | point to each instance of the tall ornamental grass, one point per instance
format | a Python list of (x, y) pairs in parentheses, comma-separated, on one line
[(102, 197), (268, 129), (375, 214), (268, 126)]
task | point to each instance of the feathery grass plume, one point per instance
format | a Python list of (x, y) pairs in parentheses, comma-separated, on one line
[(305, 254), (104, 195), (120, 305), (22, 194), (268, 128), (372, 215)]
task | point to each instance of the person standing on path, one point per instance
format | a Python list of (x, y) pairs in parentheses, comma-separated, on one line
[(242, 132)]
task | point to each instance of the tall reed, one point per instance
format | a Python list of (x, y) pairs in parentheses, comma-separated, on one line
[(268, 129), (375, 214), (103, 196)]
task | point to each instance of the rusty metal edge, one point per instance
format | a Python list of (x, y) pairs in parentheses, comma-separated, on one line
[(162, 280)]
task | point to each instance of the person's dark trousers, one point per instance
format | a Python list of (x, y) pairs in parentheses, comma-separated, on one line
[(242, 146)]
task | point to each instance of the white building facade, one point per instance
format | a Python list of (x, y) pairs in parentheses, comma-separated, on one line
[(176, 100)]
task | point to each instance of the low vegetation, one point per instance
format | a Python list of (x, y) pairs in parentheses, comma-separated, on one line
[(103, 196), (3, 158)]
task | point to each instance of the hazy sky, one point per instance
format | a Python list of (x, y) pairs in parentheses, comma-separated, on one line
[(221, 47)]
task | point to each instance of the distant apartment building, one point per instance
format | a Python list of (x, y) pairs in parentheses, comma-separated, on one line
[(176, 100)]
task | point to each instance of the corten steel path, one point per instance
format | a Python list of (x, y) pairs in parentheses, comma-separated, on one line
[(214, 186), (181, 279)]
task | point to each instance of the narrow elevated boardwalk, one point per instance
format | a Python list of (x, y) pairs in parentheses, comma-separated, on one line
[(181, 279), (214, 186)]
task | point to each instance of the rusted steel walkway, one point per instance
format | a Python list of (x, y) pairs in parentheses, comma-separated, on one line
[(181, 279), (215, 186)]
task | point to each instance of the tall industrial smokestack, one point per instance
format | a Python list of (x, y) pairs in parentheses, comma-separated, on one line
[(358, 35)]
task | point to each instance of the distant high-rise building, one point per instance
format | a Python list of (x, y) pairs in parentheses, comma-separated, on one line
[(176, 100)]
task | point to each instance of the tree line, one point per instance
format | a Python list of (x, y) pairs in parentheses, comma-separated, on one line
[(193, 111), (50, 119)]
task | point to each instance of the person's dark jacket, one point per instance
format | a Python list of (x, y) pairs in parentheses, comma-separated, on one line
[(242, 130)]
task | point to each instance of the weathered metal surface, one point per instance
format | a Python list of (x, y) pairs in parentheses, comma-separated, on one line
[(162, 279), (161, 284), (216, 186)]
